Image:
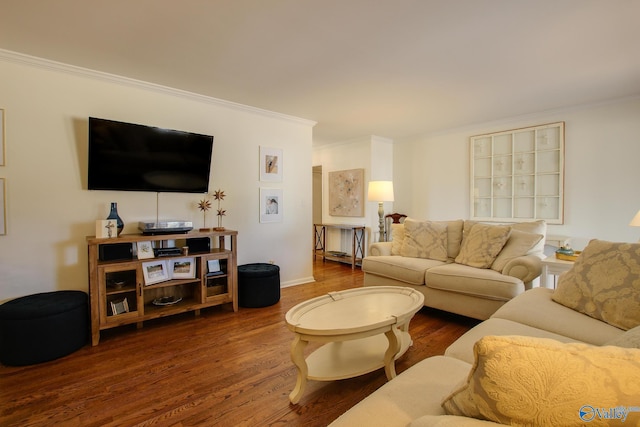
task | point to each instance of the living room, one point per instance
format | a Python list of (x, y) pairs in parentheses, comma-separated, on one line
[(49, 212)]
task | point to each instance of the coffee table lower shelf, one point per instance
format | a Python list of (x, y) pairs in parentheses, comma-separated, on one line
[(348, 359)]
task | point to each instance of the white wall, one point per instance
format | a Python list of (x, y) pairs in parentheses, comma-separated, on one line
[(602, 150), (50, 212)]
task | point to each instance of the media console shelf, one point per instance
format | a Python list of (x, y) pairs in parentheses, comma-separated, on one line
[(119, 294)]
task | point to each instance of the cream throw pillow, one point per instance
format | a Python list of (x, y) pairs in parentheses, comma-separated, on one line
[(519, 244), (604, 283), (528, 381), (397, 238), (424, 239), (629, 339), (482, 244)]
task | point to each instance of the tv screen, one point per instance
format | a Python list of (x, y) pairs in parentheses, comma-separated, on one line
[(132, 157)]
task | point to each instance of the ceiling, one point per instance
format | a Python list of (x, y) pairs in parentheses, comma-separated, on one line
[(391, 68)]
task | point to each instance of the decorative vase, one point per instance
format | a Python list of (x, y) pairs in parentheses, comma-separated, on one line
[(114, 215)]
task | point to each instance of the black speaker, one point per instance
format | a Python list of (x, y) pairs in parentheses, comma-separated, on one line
[(199, 244), (115, 251)]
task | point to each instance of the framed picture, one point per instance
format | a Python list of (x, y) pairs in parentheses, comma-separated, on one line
[(119, 307), (3, 208), (145, 250), (270, 164), (346, 193), (155, 272), (106, 228), (270, 205), (2, 137), (213, 266), (182, 268)]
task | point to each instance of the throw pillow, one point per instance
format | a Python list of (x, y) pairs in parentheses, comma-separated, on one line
[(519, 244), (482, 244), (535, 227), (604, 283), (397, 238), (629, 339), (528, 381), (424, 239)]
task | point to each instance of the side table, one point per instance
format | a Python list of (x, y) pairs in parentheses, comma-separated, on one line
[(555, 267)]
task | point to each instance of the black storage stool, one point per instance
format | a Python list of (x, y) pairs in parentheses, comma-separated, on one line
[(258, 285), (42, 327)]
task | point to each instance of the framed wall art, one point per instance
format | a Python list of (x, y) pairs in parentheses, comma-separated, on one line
[(270, 205), (346, 193), (518, 175), (270, 164)]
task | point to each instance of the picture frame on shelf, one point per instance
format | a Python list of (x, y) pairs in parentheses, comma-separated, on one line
[(270, 164), (106, 228), (182, 268), (270, 205), (145, 250), (119, 307), (213, 267), (155, 272)]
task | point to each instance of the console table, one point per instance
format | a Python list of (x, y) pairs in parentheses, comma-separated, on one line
[(357, 243)]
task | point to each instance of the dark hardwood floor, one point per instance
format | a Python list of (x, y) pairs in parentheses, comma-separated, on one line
[(219, 368)]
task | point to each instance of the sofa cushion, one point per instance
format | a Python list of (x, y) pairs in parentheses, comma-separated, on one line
[(482, 244), (424, 239), (604, 283), (520, 243), (404, 269), (462, 348), (397, 238), (449, 421), (629, 339), (463, 279), (513, 376), (536, 308), (413, 393)]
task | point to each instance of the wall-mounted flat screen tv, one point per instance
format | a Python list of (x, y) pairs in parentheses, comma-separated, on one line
[(132, 157)]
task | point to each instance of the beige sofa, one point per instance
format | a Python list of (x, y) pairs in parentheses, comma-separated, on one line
[(463, 267), (564, 357)]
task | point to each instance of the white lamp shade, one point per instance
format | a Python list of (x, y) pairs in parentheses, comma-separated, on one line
[(380, 191), (635, 222)]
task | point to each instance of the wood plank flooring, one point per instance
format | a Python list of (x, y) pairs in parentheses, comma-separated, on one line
[(219, 369)]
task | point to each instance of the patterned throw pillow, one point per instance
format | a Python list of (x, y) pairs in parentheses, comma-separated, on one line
[(528, 381), (482, 244), (604, 283), (424, 239)]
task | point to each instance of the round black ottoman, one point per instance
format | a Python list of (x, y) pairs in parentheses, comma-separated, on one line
[(42, 327), (258, 285)]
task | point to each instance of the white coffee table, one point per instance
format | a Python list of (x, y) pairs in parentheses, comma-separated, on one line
[(362, 330)]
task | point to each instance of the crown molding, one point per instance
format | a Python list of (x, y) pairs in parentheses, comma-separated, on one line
[(20, 58)]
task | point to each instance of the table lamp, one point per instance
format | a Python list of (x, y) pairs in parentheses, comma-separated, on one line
[(380, 191)]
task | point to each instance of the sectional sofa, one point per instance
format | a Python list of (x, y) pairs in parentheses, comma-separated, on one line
[(464, 267), (569, 356)]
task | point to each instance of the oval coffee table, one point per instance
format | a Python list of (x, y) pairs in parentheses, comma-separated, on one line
[(363, 329)]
